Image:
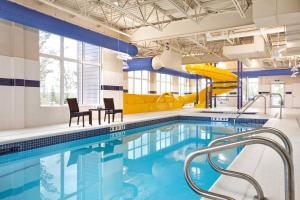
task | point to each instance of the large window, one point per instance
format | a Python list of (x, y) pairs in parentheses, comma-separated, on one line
[(250, 88), (138, 82), (163, 83), (68, 68), (183, 86)]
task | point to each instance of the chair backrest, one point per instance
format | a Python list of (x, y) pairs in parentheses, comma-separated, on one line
[(109, 103), (73, 105)]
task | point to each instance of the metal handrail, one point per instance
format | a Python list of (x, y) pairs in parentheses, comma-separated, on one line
[(250, 104), (288, 166), (281, 102), (286, 141), (252, 181)]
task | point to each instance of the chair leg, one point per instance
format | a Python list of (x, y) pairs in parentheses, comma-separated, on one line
[(70, 121), (90, 118), (114, 117), (83, 120), (78, 120), (121, 116), (105, 117)]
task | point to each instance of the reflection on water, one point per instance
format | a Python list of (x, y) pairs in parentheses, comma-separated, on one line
[(145, 165)]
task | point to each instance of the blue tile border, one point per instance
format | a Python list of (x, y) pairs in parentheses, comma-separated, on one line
[(19, 82), (111, 87), (32, 83), (57, 139)]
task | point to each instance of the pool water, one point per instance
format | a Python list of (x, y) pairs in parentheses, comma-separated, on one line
[(143, 163)]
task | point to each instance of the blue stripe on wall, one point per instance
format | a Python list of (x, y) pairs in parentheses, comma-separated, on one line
[(34, 83), (271, 72), (19, 82), (112, 87), (28, 17)]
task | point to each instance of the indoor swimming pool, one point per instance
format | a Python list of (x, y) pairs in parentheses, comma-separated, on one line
[(141, 163)]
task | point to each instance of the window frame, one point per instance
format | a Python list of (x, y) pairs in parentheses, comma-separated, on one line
[(167, 82), (184, 85), (80, 61), (135, 79)]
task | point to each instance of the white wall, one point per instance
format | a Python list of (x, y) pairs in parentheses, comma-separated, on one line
[(291, 85), (112, 74), (19, 59)]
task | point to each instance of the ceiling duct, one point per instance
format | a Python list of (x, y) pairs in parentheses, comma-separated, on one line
[(293, 40), (257, 49), (168, 59), (276, 12)]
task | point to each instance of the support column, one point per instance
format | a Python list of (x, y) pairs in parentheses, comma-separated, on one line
[(210, 93), (206, 92), (197, 89), (239, 85)]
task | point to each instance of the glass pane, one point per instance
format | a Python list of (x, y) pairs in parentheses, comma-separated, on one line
[(130, 86), (252, 87), (91, 53), (158, 88), (71, 48), (70, 80), (163, 87), (50, 81), (49, 43), (157, 77), (168, 78), (91, 84), (145, 87), (275, 99), (137, 74), (168, 87), (137, 86), (130, 74), (145, 74)]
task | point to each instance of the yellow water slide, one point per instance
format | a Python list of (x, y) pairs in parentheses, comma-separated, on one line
[(225, 82)]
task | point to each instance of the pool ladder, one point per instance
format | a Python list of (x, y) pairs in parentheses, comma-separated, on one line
[(243, 109), (244, 139)]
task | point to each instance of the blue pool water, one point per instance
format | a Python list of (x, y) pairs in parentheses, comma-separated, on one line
[(144, 163)]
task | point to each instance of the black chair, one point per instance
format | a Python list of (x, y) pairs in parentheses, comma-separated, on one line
[(74, 111), (110, 109)]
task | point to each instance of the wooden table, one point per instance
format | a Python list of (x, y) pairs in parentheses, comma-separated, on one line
[(99, 114)]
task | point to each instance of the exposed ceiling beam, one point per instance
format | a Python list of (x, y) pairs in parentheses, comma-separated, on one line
[(46, 2), (205, 48), (239, 8), (212, 22), (182, 10), (126, 12)]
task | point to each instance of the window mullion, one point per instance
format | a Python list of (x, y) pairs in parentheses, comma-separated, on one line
[(62, 71)]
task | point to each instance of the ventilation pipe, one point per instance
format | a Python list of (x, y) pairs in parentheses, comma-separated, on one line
[(168, 59), (255, 50), (246, 34)]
